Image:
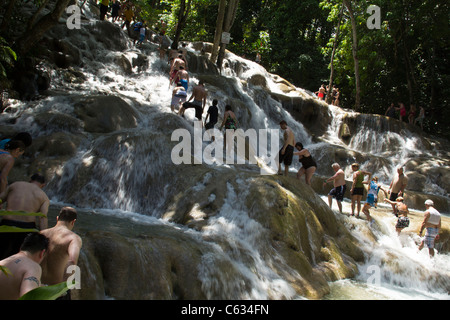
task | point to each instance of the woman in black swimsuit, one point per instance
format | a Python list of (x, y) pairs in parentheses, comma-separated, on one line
[(309, 166)]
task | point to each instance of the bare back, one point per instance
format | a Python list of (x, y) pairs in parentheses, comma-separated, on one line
[(63, 250), (28, 197), (25, 275), (398, 183), (339, 178)]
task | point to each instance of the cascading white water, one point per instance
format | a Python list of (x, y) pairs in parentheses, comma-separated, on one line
[(117, 174)]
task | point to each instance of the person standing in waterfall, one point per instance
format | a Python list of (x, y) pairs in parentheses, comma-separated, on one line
[(8, 156), (24, 269), (372, 196), (402, 109), (402, 209), (213, 115), (183, 77), (199, 94), (287, 151), (339, 186), (103, 9), (397, 187), (28, 197), (309, 166), (421, 117), (432, 222), (63, 250), (176, 65), (179, 96), (357, 190)]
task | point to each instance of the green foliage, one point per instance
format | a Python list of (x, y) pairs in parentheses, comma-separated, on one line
[(46, 293), (19, 213), (7, 57)]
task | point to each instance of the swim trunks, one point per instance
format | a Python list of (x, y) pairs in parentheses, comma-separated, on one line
[(198, 108), (11, 241), (307, 162), (370, 200), (210, 125), (430, 236), (338, 192), (402, 222), (184, 83), (286, 158), (176, 100), (358, 192), (393, 196)]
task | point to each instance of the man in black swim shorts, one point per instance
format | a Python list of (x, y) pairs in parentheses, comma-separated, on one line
[(287, 151)]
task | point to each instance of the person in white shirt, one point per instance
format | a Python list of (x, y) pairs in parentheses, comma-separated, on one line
[(432, 222)]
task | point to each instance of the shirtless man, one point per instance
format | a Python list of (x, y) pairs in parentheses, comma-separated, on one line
[(13, 150), (183, 77), (28, 197), (397, 187), (287, 151), (199, 95), (402, 210), (432, 222), (64, 248), (24, 271), (177, 63), (339, 186)]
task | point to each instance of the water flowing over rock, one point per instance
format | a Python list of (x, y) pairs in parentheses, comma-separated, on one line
[(103, 136)]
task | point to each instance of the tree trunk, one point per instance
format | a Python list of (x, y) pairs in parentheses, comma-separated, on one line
[(219, 28), (36, 14), (229, 20), (7, 15), (330, 85), (30, 38), (182, 18), (355, 55)]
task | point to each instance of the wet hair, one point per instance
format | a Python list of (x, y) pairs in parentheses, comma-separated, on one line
[(67, 214), (299, 144), (227, 107), (215, 102), (14, 144), (201, 82), (25, 137), (34, 242), (38, 178), (181, 68), (283, 122)]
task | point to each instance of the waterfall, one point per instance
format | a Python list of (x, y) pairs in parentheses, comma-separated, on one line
[(128, 172)]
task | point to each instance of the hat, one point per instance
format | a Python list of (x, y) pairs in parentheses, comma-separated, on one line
[(429, 202)]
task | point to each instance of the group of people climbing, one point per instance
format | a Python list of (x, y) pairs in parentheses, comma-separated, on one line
[(404, 115), (394, 195), (42, 256)]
